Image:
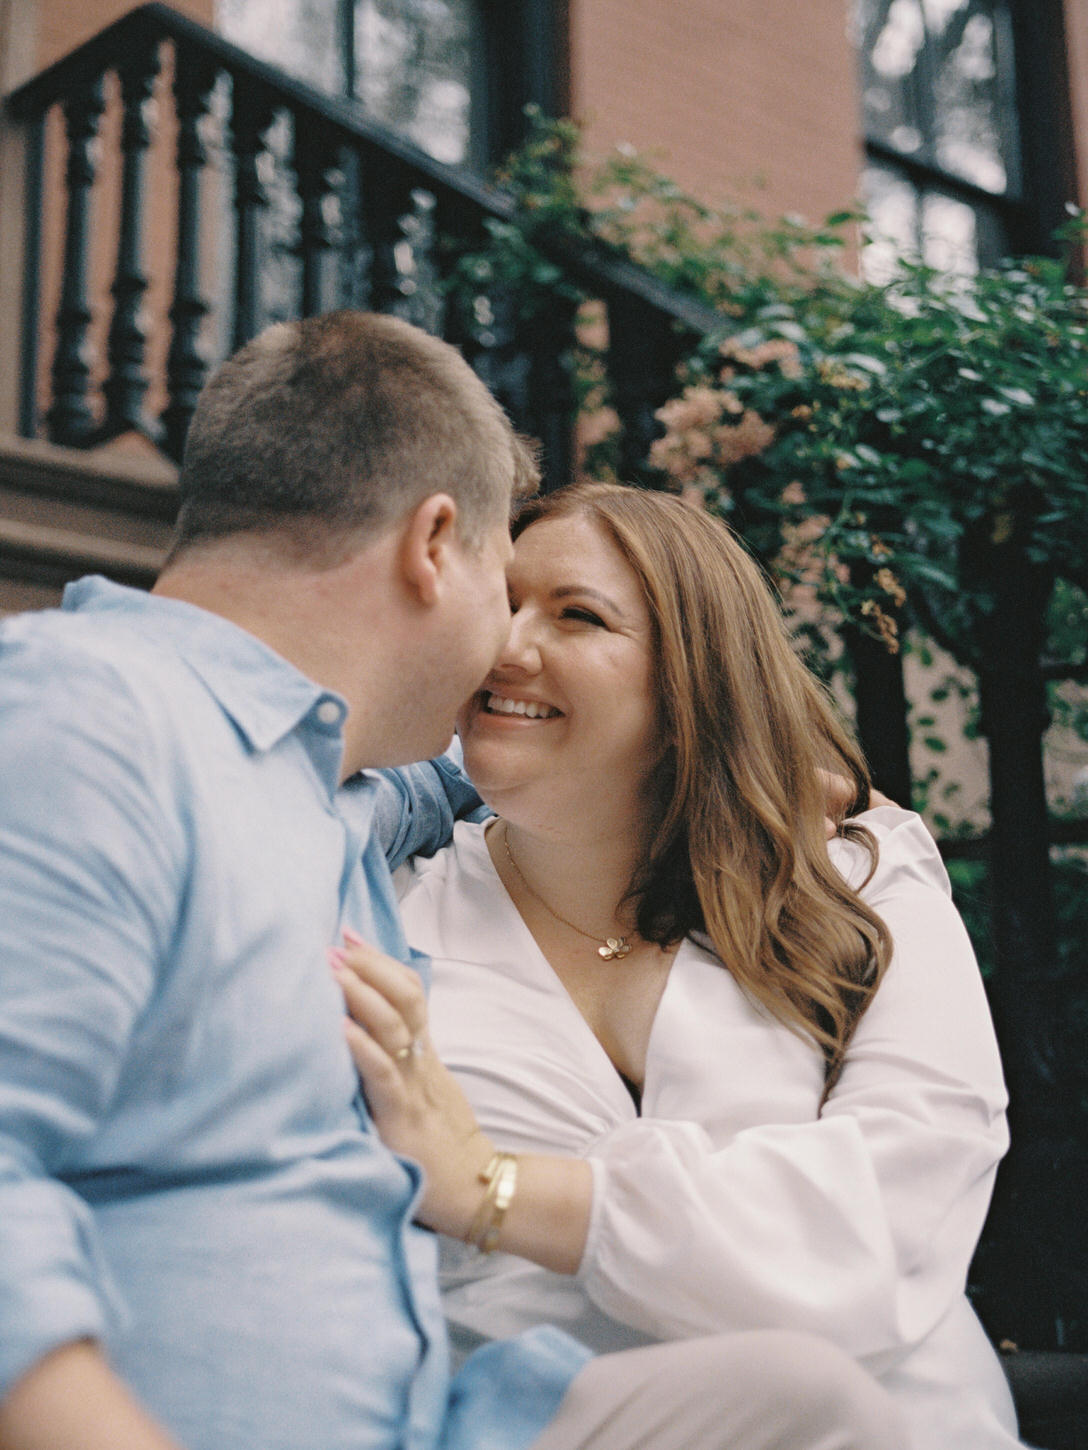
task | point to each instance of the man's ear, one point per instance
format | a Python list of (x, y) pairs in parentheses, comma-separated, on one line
[(428, 534)]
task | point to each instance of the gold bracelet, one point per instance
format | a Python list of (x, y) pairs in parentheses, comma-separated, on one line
[(501, 1180)]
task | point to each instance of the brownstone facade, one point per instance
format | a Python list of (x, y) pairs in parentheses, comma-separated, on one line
[(752, 101)]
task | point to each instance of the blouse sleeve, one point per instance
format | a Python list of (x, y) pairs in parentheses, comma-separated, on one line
[(858, 1224)]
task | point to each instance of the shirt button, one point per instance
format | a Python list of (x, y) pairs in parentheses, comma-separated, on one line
[(328, 712)]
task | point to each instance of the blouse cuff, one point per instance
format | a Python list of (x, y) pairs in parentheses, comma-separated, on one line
[(599, 1169)]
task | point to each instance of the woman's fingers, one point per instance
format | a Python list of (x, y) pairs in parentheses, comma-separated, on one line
[(838, 792), (392, 980), (385, 998), (378, 1072), (371, 1010), (878, 798)]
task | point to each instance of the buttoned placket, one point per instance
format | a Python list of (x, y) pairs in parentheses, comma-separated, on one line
[(368, 905)]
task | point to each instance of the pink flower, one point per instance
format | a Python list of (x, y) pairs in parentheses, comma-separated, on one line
[(775, 350), (595, 427), (734, 441), (695, 408)]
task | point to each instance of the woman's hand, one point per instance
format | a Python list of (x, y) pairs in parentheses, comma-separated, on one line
[(420, 1111), (838, 798), (417, 1106)]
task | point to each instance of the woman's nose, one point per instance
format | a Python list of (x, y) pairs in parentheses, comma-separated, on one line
[(522, 649)]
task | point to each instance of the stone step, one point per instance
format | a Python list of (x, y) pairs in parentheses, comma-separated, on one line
[(64, 513)]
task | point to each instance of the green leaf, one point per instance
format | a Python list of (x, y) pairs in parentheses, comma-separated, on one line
[(933, 573), (866, 362)]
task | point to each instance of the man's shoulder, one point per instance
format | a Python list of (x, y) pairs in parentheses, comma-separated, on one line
[(62, 664), (72, 634)]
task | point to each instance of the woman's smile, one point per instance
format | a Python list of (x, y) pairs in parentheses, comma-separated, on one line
[(518, 708)]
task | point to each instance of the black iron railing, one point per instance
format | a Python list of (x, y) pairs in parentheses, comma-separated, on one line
[(324, 208)]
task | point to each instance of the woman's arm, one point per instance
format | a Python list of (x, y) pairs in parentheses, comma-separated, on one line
[(858, 1224), (411, 809), (421, 1112)]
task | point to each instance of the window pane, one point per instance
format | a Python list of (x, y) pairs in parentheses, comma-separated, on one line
[(413, 70), (302, 36), (949, 235), (926, 225), (966, 116), (892, 204), (890, 36), (937, 84), (413, 59)]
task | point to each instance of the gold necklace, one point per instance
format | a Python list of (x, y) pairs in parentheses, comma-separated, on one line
[(610, 948)]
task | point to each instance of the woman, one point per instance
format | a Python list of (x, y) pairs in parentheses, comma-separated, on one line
[(750, 1080)]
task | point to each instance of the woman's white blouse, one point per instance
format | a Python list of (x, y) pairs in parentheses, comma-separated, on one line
[(732, 1201)]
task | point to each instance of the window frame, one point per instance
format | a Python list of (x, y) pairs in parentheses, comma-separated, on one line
[(1038, 131), (520, 57)]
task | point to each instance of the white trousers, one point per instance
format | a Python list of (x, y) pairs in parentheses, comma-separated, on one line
[(763, 1390)]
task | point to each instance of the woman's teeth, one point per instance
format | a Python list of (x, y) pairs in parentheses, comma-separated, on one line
[(500, 705)]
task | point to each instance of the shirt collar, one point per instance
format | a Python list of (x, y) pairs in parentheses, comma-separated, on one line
[(264, 695)]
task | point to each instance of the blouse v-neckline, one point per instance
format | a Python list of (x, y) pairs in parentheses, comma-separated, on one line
[(635, 1096)]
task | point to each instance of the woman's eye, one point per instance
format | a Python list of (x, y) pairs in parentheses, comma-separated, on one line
[(585, 615)]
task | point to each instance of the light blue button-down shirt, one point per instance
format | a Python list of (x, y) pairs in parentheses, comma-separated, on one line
[(187, 1172)]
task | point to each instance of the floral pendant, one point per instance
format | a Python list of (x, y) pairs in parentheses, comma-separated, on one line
[(614, 946)]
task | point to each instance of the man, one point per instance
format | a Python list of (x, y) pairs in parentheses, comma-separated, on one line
[(195, 1215), (178, 1111)]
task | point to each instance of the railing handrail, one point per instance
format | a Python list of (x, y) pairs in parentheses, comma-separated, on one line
[(154, 22), (596, 267)]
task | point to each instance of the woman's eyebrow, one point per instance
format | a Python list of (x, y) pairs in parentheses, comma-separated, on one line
[(588, 592)]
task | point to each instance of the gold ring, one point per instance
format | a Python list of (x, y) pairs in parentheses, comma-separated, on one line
[(414, 1048)]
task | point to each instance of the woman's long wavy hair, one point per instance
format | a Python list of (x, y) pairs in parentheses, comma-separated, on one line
[(739, 850)]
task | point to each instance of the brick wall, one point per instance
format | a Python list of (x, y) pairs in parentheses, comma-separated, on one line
[(751, 100)]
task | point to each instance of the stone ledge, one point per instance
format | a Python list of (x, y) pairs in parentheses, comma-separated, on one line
[(49, 555), (141, 483), (64, 513)]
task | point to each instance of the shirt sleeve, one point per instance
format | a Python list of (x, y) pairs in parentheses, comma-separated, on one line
[(858, 1224), (415, 806), (87, 893)]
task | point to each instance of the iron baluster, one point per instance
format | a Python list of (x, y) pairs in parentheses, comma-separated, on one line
[(315, 162), (126, 382), (70, 419), (643, 349), (194, 77), (384, 200), (28, 383), (1045, 1178), (252, 114), (550, 388)]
